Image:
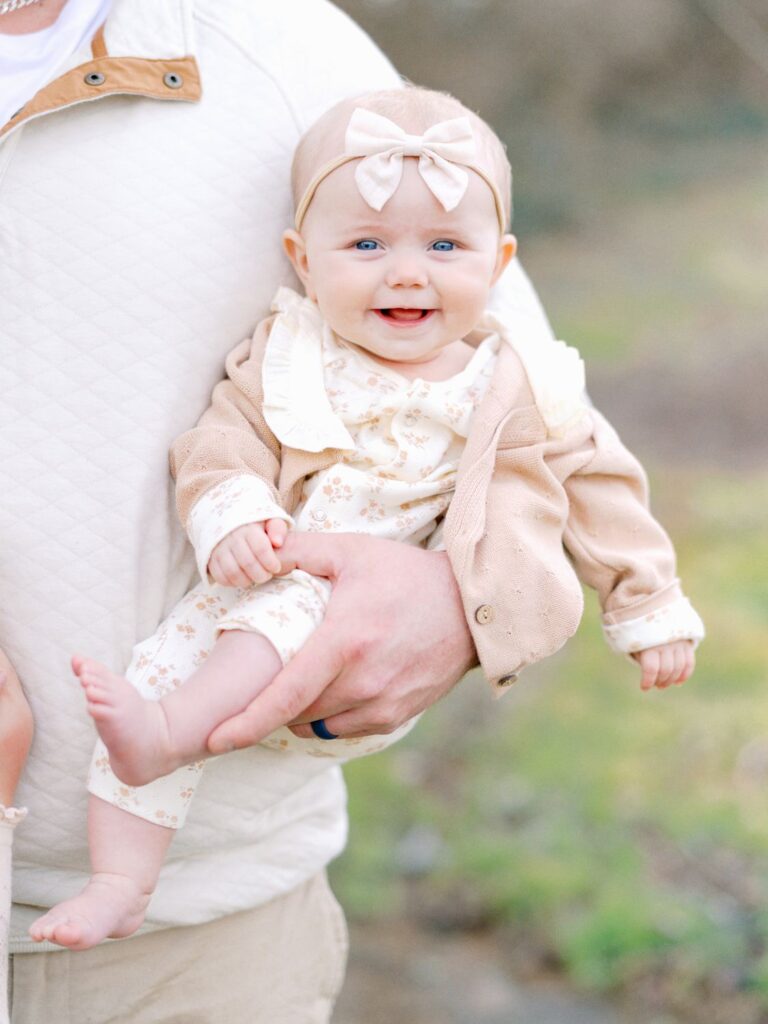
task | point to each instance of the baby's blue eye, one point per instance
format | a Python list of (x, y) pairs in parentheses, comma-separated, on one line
[(366, 245), (443, 245)]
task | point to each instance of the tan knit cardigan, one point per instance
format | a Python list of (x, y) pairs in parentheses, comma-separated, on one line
[(530, 511)]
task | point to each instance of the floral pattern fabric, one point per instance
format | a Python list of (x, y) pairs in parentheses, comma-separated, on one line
[(396, 483)]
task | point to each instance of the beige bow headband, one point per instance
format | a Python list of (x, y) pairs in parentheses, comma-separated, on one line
[(443, 151)]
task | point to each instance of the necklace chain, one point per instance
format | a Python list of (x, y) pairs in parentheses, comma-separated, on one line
[(13, 5)]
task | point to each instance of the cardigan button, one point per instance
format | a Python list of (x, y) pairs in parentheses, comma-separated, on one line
[(508, 680), (173, 80), (95, 78), (484, 614)]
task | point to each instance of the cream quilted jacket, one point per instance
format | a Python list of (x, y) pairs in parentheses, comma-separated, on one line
[(142, 199)]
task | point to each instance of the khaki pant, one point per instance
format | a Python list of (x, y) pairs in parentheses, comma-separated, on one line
[(282, 963)]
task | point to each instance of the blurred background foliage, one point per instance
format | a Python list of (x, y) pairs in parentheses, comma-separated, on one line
[(616, 839)]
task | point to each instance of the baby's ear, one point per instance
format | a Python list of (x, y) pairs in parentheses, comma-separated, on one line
[(507, 250), (296, 251)]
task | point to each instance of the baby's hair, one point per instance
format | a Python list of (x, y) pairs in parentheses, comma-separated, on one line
[(414, 109)]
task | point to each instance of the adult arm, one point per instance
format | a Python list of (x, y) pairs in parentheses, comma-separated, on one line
[(394, 640)]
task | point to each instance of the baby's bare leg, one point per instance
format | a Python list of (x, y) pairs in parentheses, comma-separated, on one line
[(15, 730), (127, 853), (147, 739)]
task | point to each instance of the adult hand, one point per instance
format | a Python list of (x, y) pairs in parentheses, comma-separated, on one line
[(394, 640)]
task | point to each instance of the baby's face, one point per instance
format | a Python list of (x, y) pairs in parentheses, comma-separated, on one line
[(406, 281)]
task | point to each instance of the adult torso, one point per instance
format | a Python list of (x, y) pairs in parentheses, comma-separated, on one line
[(140, 241)]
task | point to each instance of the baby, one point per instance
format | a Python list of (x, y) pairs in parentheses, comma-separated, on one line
[(386, 401)]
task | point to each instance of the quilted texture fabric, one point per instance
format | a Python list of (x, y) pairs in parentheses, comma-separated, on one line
[(139, 241)]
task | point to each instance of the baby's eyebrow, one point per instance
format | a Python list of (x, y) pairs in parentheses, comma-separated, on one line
[(427, 230), (364, 229)]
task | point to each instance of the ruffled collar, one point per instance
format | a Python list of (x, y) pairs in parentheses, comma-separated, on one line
[(555, 372), (297, 408)]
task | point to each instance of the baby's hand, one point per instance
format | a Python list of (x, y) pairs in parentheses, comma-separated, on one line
[(247, 555), (666, 664)]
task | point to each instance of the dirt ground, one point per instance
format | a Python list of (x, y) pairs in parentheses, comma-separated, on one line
[(399, 973)]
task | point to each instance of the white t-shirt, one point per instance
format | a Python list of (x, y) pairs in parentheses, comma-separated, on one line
[(30, 61)]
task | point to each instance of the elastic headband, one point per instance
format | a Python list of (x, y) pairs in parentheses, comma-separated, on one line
[(443, 151)]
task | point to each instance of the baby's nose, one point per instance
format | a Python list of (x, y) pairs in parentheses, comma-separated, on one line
[(406, 272)]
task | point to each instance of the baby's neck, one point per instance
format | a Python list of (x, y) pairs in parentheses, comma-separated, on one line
[(445, 364)]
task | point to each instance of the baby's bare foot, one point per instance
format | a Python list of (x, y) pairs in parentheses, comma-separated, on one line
[(134, 730), (109, 907)]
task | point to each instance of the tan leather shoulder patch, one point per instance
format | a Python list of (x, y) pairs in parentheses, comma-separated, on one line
[(173, 79)]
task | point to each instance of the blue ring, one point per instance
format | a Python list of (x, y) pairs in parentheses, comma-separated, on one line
[(321, 730)]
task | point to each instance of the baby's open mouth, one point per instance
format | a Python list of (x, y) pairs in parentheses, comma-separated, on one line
[(404, 316)]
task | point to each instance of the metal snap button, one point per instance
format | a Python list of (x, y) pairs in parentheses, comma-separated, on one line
[(484, 614), (319, 515), (95, 78), (173, 80), (508, 680)]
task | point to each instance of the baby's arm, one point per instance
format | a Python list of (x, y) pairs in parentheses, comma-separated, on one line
[(621, 550), (226, 471)]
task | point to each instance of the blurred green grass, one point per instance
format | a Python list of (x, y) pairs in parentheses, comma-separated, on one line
[(624, 836), (607, 822)]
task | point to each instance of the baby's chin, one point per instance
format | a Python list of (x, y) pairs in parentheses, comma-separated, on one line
[(400, 355)]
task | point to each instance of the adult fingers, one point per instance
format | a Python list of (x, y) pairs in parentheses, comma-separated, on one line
[(377, 719), (303, 731), (315, 553), (307, 674), (277, 530), (353, 724)]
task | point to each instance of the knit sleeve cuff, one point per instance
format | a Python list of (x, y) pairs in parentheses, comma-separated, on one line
[(235, 502), (675, 621)]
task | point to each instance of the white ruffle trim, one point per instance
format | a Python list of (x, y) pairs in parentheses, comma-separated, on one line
[(12, 815), (555, 372), (296, 406), (235, 502), (676, 621), (299, 414)]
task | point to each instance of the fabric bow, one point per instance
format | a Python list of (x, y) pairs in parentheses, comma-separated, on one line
[(383, 144)]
